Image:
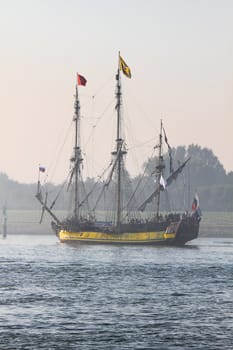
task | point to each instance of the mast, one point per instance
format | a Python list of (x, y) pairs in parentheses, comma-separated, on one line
[(77, 158), (159, 168), (118, 141), (161, 183), (119, 152)]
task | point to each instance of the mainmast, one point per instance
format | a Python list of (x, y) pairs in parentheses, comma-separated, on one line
[(118, 153)]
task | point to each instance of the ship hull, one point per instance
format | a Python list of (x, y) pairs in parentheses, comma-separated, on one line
[(141, 238), (177, 233)]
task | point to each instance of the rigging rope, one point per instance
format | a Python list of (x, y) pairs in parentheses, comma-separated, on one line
[(140, 180), (55, 160)]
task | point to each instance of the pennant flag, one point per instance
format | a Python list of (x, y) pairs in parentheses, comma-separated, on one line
[(169, 151), (124, 67), (195, 204), (162, 182), (41, 169), (81, 80), (196, 211)]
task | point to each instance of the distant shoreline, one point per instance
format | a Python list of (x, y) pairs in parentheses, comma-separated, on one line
[(50, 233), (213, 224)]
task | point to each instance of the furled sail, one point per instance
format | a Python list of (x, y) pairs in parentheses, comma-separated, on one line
[(168, 181)]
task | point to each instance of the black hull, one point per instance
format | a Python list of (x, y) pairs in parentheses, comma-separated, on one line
[(187, 230), (160, 233)]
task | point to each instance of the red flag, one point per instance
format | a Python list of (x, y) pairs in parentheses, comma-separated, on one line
[(81, 80)]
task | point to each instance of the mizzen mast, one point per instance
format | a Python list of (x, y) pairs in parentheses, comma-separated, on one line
[(159, 168)]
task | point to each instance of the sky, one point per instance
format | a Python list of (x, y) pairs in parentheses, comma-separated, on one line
[(181, 57)]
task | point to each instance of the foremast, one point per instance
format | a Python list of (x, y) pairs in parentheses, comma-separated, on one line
[(77, 157), (76, 160)]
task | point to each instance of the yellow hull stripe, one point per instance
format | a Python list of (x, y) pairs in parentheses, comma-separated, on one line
[(121, 238)]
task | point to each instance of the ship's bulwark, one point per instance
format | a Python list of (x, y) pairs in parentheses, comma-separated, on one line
[(125, 238), (177, 233)]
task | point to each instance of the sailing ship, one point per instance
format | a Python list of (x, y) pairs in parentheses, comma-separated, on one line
[(122, 228)]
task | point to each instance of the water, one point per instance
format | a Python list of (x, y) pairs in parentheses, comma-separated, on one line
[(54, 296)]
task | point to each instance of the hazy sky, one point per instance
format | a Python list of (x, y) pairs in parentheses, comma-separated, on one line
[(181, 56)]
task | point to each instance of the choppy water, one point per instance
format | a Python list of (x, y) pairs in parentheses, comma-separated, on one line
[(54, 296)]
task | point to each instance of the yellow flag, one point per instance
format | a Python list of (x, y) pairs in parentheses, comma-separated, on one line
[(123, 66)]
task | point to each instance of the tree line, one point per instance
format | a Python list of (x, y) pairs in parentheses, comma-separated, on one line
[(203, 174)]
